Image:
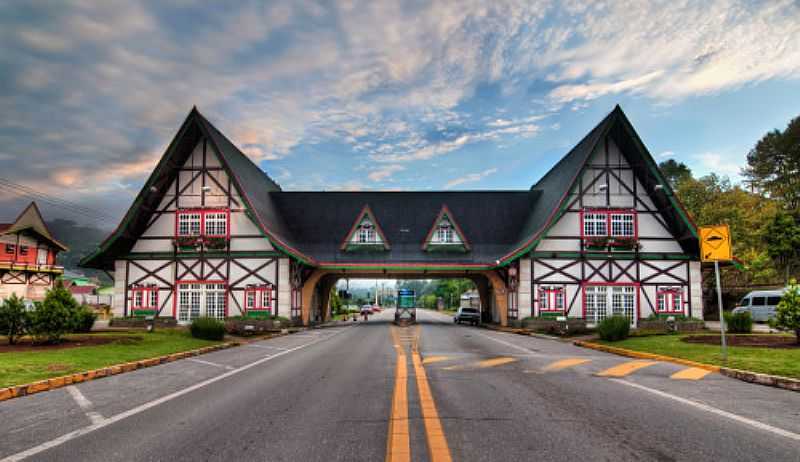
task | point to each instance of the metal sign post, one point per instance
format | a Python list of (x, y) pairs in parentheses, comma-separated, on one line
[(721, 316), (715, 245)]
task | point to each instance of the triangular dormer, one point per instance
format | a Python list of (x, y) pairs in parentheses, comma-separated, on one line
[(30, 220), (445, 234), (365, 234)]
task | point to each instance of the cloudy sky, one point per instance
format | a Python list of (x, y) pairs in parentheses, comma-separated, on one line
[(379, 94)]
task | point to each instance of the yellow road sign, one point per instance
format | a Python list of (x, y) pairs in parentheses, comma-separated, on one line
[(715, 243)]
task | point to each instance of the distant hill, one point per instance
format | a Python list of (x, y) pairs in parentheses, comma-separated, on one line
[(81, 240)]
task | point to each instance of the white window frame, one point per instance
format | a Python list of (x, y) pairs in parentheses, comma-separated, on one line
[(593, 222), (215, 224), (603, 301), (41, 256), (189, 223), (551, 298), (667, 298), (205, 298), (623, 224)]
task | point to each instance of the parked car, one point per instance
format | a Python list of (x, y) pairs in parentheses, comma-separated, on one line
[(366, 309), (760, 304), (470, 315)]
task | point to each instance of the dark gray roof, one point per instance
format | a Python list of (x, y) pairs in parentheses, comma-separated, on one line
[(310, 226), (490, 220)]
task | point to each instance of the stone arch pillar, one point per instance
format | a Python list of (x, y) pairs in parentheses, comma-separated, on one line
[(307, 293), (484, 292), (500, 295)]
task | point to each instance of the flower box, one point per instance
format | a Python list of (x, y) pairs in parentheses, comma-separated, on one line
[(215, 243), (186, 243), (624, 243)]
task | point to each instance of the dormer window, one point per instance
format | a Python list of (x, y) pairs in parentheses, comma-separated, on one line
[(365, 234), (202, 222), (604, 229), (445, 234)]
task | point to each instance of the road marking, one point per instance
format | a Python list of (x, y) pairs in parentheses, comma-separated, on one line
[(269, 347), (143, 407), (209, 363), (398, 448), (626, 368), (85, 405), (437, 444), (434, 359), (713, 410), (690, 373), (565, 363), (486, 363)]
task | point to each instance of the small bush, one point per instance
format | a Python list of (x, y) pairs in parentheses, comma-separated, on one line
[(13, 318), (83, 319), (208, 328), (738, 323), (614, 328)]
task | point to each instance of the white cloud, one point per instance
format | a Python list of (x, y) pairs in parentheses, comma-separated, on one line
[(665, 154), (713, 162), (385, 172), (469, 178)]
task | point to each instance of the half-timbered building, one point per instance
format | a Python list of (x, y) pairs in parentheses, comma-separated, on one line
[(28, 256), (212, 234)]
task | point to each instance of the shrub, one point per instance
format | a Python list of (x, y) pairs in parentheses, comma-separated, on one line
[(53, 317), (787, 315), (738, 323), (208, 328), (614, 328), (13, 318), (83, 319)]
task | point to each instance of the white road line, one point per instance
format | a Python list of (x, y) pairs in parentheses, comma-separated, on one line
[(713, 410), (209, 363), (85, 405), (255, 345), (139, 409), (509, 344)]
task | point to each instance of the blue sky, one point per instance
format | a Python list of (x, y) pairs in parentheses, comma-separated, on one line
[(381, 94)]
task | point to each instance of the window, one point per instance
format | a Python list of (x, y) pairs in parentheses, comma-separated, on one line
[(216, 224), (669, 300), (144, 298), (197, 299), (41, 256), (551, 298), (622, 224), (188, 224), (10, 248), (366, 233), (258, 297), (23, 250), (759, 301), (600, 302), (617, 223), (444, 233), (212, 222), (773, 301), (594, 224)]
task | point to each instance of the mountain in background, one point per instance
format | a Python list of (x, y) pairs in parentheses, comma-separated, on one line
[(81, 240)]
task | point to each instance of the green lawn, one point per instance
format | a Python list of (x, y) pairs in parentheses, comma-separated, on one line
[(29, 366), (777, 361)]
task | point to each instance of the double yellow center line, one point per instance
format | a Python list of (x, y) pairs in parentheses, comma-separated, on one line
[(399, 447)]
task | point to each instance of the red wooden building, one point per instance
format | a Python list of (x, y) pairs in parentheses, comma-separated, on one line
[(28, 256)]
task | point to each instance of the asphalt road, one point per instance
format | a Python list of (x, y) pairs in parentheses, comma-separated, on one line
[(469, 394)]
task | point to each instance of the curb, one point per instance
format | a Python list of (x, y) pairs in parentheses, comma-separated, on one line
[(18, 391), (762, 379), (641, 355)]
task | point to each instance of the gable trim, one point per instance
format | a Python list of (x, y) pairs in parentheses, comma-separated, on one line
[(445, 211), (365, 211)]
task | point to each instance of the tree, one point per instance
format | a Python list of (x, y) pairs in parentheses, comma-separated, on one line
[(787, 314), (13, 318), (450, 290), (773, 165), (783, 241), (674, 171), (55, 315)]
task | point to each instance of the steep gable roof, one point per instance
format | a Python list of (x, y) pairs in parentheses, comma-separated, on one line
[(557, 184), (252, 183), (31, 220)]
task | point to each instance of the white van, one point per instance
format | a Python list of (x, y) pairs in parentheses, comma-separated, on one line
[(760, 304)]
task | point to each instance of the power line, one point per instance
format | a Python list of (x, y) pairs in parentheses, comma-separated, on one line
[(72, 207)]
